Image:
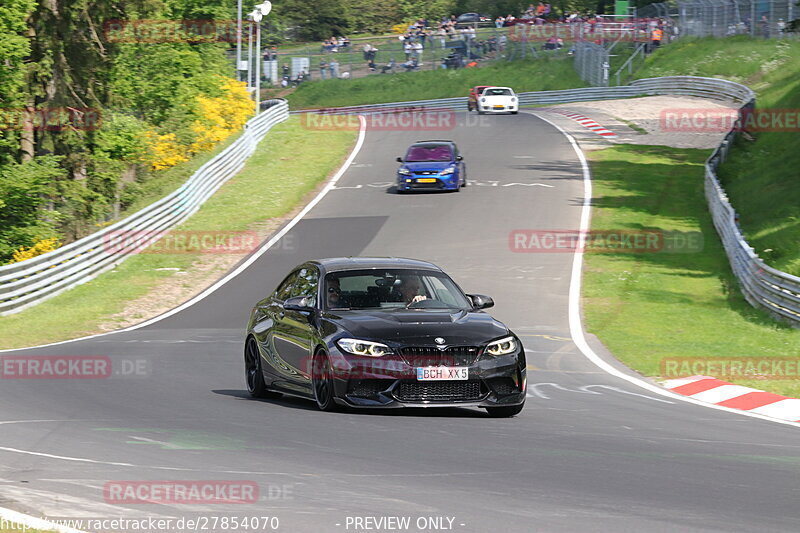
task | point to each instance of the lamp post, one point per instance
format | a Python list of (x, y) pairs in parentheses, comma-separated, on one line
[(239, 41), (260, 11)]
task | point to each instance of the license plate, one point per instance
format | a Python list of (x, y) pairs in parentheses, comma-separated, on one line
[(426, 180), (498, 107), (442, 373)]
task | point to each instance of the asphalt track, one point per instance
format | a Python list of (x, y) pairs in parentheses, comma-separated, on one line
[(590, 452)]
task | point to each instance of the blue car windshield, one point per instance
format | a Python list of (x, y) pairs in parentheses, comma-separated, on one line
[(430, 152)]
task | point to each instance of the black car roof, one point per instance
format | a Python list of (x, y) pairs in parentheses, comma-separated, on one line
[(435, 141), (338, 264)]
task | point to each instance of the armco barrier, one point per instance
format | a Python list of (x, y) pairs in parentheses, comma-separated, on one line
[(34, 280), (30, 282)]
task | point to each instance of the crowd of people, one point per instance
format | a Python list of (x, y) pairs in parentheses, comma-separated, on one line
[(463, 46), (334, 44)]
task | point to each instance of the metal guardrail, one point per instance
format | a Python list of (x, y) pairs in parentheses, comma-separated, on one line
[(762, 285), (36, 279), (32, 281)]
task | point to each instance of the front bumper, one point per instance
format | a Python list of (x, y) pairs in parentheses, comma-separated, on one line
[(492, 382), (448, 182), (499, 108)]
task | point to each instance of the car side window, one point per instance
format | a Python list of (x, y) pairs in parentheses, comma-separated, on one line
[(306, 283), (285, 288)]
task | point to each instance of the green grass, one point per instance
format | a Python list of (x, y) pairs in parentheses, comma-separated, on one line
[(761, 176), (649, 306), (266, 188), (543, 74)]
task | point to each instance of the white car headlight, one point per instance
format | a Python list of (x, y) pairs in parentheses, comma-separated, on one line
[(513, 99), (483, 99), (502, 346), (404, 172), (360, 347), (445, 172)]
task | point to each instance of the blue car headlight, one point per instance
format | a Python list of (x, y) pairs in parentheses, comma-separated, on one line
[(404, 172), (448, 170)]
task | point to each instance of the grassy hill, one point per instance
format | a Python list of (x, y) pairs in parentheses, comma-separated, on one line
[(762, 175), (547, 73)]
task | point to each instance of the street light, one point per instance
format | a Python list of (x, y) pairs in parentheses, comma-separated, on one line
[(260, 11)]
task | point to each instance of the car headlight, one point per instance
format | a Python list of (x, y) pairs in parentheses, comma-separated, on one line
[(502, 346), (445, 172), (513, 99), (483, 99), (404, 172), (359, 347)]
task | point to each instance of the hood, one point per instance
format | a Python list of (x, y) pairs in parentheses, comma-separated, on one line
[(498, 98), (427, 165), (419, 327)]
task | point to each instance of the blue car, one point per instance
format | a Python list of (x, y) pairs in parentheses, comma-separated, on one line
[(431, 166)]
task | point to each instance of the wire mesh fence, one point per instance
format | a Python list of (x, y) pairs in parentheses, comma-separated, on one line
[(720, 18)]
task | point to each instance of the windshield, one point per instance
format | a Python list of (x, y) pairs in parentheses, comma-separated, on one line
[(497, 92), (429, 152), (392, 289)]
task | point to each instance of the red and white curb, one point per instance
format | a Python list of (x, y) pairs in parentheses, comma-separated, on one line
[(586, 122), (724, 394)]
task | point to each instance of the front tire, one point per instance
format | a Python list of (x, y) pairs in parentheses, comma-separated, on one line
[(322, 383), (254, 376), (505, 411)]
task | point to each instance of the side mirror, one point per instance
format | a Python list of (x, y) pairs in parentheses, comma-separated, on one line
[(299, 303), (460, 158), (399, 159), (480, 301)]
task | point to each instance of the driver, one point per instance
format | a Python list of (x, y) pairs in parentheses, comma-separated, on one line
[(335, 294), (410, 289)]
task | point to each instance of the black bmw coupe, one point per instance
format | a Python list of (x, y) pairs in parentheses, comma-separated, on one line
[(382, 332)]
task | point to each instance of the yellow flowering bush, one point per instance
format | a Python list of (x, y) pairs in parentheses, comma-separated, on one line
[(164, 151), (221, 116), (217, 118), (401, 28), (40, 247)]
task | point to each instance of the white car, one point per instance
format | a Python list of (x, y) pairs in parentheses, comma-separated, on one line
[(498, 100)]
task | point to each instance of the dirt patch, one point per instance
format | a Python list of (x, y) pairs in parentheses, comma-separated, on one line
[(655, 115)]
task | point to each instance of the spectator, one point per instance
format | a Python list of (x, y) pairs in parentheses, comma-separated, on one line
[(334, 68), (408, 49), (417, 49), (323, 67), (442, 34), (499, 21)]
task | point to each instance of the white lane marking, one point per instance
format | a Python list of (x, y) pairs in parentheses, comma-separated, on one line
[(575, 325), (31, 522), (249, 261), (623, 391), (533, 391), (528, 185)]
